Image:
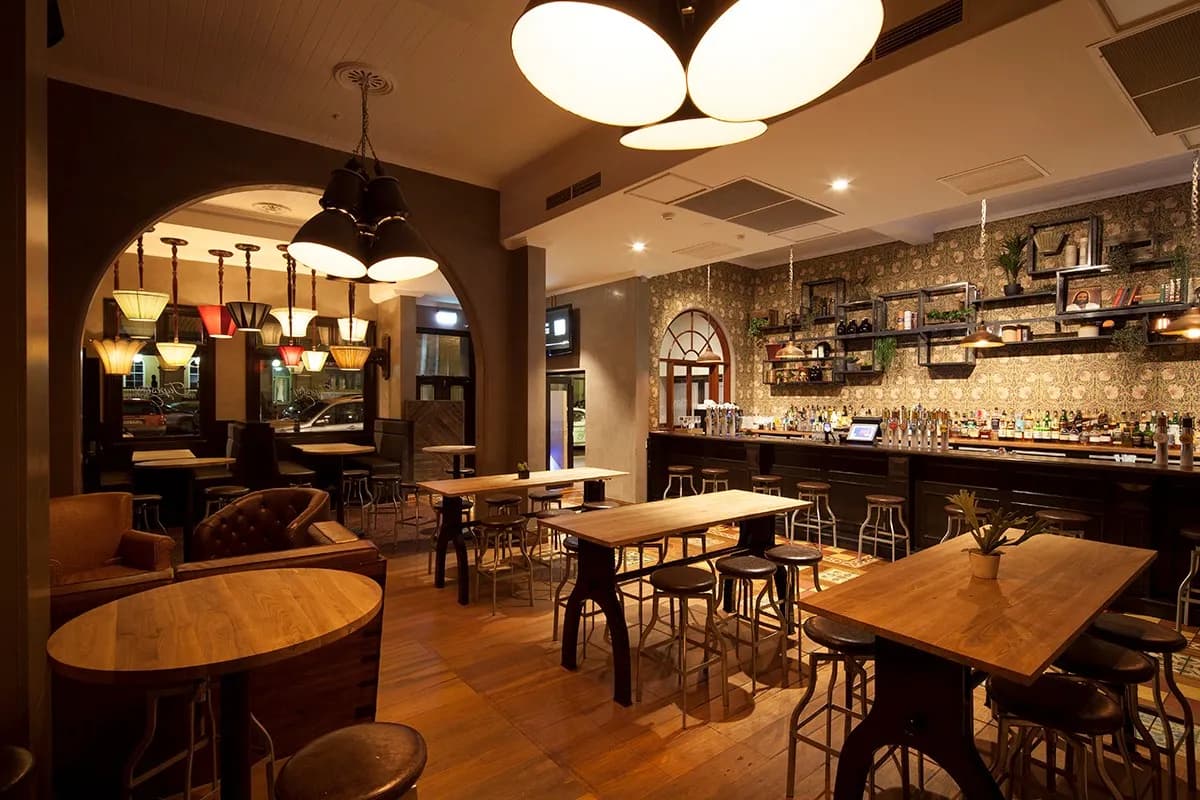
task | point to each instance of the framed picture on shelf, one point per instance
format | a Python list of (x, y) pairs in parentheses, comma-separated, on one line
[(1063, 244), (1085, 298)]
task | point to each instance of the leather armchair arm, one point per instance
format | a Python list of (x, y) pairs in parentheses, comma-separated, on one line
[(330, 532), (148, 551)]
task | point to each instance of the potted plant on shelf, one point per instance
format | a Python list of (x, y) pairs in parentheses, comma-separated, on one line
[(522, 470), (991, 535), (884, 352), (1012, 260)]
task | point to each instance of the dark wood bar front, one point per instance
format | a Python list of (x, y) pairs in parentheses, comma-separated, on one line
[(1137, 505)]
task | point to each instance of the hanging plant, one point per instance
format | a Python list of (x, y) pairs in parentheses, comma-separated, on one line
[(755, 329), (1119, 262), (884, 352), (1131, 340)]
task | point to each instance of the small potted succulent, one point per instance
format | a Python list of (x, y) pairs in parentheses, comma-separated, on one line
[(1012, 260), (992, 534), (522, 470)]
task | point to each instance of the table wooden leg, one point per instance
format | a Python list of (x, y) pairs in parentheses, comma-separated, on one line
[(456, 469), (338, 482), (758, 536), (451, 532), (593, 491), (234, 742), (924, 703), (597, 581)]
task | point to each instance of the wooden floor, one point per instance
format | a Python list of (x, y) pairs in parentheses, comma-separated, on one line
[(502, 719)]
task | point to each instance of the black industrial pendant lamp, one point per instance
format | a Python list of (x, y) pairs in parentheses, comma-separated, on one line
[(634, 62), (363, 228)]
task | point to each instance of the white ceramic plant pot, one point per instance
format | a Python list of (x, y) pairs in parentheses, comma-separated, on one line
[(984, 566)]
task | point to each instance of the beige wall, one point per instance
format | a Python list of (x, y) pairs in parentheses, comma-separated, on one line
[(230, 371), (613, 335), (397, 318)]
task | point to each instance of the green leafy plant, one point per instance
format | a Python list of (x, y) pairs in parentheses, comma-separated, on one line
[(1131, 340), (1179, 270), (884, 352), (1012, 256), (991, 535), (1120, 264), (755, 329), (522, 466), (949, 315)]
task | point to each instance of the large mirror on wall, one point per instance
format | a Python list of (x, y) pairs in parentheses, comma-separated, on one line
[(693, 366)]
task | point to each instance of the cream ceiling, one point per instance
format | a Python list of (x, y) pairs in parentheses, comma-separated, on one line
[(460, 107)]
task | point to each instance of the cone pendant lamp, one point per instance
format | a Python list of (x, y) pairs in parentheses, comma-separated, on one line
[(116, 353), (248, 315), (351, 357), (175, 354), (293, 321)]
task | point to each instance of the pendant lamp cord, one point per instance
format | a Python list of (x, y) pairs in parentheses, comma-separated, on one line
[(1194, 256), (314, 290), (982, 253), (247, 276), (175, 287), (291, 295), (364, 140), (116, 288), (353, 286), (221, 280), (141, 266), (791, 296)]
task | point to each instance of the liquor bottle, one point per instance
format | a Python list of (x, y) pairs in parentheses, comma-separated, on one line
[(1186, 454), (865, 326), (1173, 430), (840, 330), (1160, 441), (851, 327)]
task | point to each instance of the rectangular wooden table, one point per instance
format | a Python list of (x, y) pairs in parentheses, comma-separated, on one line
[(166, 482), (935, 624), (454, 490), (600, 533), (337, 451)]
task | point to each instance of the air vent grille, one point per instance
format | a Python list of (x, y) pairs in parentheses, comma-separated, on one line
[(991, 177), (1159, 68), (754, 204), (708, 250), (576, 189), (922, 26)]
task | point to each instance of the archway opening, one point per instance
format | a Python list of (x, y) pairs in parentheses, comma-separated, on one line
[(685, 382)]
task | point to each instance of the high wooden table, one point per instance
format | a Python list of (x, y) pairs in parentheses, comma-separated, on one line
[(601, 532), (187, 467), (455, 451), (455, 489), (935, 624), (338, 450), (219, 627)]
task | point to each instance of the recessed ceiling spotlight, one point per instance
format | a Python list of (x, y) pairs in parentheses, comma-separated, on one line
[(840, 184), (275, 209), (638, 247)]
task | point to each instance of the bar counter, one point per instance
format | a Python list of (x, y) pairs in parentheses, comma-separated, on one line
[(1135, 504)]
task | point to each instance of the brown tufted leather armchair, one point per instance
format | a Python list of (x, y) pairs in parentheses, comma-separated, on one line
[(261, 522)]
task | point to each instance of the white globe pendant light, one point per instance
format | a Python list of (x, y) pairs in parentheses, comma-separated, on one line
[(690, 129), (762, 58), (603, 60)]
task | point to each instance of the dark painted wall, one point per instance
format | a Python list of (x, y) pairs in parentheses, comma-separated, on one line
[(118, 165)]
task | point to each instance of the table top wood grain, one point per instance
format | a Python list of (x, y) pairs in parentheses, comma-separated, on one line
[(335, 449), (213, 626), (185, 463), (1050, 588), (159, 455), (458, 487), (449, 449), (642, 522)]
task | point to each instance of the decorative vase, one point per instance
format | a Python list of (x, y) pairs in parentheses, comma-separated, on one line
[(985, 566), (1013, 289), (773, 349)]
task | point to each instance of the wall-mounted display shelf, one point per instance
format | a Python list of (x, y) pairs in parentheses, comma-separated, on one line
[(823, 298), (944, 341), (1091, 226), (804, 372), (1024, 299)]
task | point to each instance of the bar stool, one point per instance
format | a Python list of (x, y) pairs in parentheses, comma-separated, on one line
[(369, 761), (545, 547), (742, 572), (715, 479), (659, 550), (435, 502), (145, 512), (955, 520), (1077, 710), (766, 484), (818, 518), (683, 584), (793, 558), (1187, 595), (16, 764), (675, 477), (1155, 641), (356, 491), (498, 533), (1118, 668), (217, 497), (1064, 522), (847, 646), (385, 489), (295, 474), (542, 499), (885, 509), (700, 536), (502, 504)]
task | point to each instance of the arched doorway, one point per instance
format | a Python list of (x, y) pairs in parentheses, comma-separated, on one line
[(684, 381)]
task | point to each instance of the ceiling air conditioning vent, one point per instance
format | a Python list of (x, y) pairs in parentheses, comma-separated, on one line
[(754, 204), (935, 20), (586, 185), (558, 198), (1158, 68)]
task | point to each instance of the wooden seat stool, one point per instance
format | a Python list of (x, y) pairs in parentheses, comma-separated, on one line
[(1064, 522), (145, 512), (818, 518), (714, 479), (955, 519), (883, 511), (500, 504), (676, 473), (542, 499), (738, 575), (370, 761), (356, 490), (499, 533)]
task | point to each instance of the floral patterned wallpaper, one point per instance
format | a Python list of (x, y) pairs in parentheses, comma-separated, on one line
[(1092, 380)]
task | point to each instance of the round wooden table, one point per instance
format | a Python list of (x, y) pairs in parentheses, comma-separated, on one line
[(217, 627), (456, 451)]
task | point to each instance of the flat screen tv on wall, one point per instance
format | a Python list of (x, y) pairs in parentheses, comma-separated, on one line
[(560, 331)]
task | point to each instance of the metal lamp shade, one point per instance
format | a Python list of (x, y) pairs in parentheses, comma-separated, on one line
[(116, 355), (352, 329), (271, 334), (1186, 327), (290, 354), (314, 360), (218, 322), (350, 357), (248, 316), (789, 352), (140, 305), (981, 339), (300, 319), (709, 356), (330, 243), (399, 254), (174, 355), (139, 329)]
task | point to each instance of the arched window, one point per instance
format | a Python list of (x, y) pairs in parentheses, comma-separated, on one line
[(685, 382)]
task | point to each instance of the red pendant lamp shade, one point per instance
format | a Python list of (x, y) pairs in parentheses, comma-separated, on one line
[(218, 322), (290, 354)]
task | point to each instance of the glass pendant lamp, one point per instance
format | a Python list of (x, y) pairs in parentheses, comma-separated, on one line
[(351, 357), (218, 322), (248, 315), (138, 304), (314, 359), (293, 321), (175, 354), (116, 353)]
